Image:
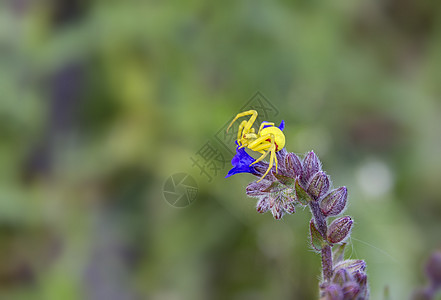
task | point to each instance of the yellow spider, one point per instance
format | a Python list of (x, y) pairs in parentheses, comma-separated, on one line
[(267, 140)]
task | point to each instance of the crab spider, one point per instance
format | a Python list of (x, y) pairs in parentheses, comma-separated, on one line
[(269, 138)]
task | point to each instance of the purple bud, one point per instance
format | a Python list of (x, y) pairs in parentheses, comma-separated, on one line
[(433, 269), (319, 185), (339, 229), (293, 165), (351, 291), (258, 188), (260, 169), (361, 279), (355, 266), (262, 205), (332, 292), (422, 294), (281, 158), (342, 276), (311, 165), (335, 202), (360, 276)]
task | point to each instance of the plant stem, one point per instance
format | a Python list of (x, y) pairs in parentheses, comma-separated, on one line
[(322, 227), (327, 262)]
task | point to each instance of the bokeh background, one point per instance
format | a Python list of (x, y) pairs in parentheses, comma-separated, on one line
[(101, 101)]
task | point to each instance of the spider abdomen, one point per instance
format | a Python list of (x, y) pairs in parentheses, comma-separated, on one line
[(279, 137)]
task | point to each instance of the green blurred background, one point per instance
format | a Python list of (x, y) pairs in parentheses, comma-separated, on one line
[(101, 101)]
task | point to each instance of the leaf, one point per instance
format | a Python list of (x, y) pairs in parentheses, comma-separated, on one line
[(302, 196), (339, 252), (284, 179), (317, 240)]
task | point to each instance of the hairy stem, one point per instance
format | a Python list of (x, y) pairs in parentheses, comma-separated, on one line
[(322, 227), (327, 262)]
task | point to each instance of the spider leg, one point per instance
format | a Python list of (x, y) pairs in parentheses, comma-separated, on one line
[(262, 148), (260, 140), (270, 147), (250, 121), (251, 136), (263, 124), (273, 158), (240, 131), (265, 153)]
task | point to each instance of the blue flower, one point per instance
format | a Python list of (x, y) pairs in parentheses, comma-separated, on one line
[(281, 126), (241, 163)]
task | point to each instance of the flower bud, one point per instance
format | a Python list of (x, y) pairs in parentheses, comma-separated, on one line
[(422, 294), (361, 279), (262, 205), (433, 269), (360, 276), (355, 266), (332, 292), (335, 202), (311, 165), (293, 165), (319, 185), (339, 229), (258, 188), (281, 157), (351, 290), (342, 276)]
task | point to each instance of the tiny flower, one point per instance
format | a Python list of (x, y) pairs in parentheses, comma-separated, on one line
[(277, 203), (334, 202), (273, 196), (241, 163), (339, 229)]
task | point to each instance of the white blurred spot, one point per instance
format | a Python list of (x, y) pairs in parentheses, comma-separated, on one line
[(375, 178)]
